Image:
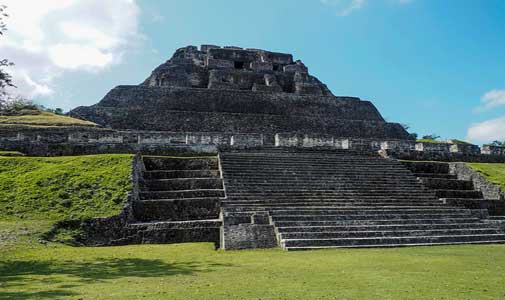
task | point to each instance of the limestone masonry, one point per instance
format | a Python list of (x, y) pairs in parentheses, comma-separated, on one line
[(235, 90)]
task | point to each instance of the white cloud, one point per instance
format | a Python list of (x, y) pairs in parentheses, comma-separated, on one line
[(75, 56), (487, 131), (46, 38), (346, 7), (492, 99)]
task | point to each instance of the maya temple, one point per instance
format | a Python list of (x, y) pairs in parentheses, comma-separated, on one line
[(246, 149)]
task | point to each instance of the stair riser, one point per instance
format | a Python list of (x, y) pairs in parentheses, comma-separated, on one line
[(162, 163), (181, 194), (458, 194), (182, 184), (316, 229), (325, 212), (373, 222), (427, 167), (180, 174), (350, 217), (378, 234), (447, 184), (435, 175), (392, 240), (176, 210)]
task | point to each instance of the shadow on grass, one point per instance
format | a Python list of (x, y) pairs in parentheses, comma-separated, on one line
[(27, 276)]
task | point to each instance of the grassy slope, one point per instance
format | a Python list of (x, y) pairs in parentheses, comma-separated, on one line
[(11, 153), (493, 172), (56, 188), (195, 271), (36, 118)]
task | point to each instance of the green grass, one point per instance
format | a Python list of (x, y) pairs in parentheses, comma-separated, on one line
[(60, 188), (41, 118), (432, 141), (30, 270), (11, 153), (493, 172)]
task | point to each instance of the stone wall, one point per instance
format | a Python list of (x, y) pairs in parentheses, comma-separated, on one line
[(84, 140), (480, 183), (229, 111), (247, 231), (493, 150)]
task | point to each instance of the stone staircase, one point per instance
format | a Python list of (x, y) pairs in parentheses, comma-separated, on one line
[(447, 186), (180, 201), (337, 198)]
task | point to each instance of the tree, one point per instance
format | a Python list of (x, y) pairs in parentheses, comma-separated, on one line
[(498, 143), (432, 136), (5, 78)]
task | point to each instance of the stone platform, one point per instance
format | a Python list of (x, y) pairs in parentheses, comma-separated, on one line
[(234, 90)]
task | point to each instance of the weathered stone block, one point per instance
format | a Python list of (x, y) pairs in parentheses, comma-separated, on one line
[(248, 236)]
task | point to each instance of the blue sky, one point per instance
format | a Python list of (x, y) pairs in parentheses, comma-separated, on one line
[(438, 66)]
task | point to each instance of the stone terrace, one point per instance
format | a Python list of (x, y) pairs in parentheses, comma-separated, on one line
[(309, 199)]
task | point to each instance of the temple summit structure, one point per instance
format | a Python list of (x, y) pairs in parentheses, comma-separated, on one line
[(235, 90)]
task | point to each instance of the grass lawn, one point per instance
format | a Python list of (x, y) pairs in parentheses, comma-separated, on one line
[(493, 172), (36, 192), (57, 188), (30, 270), (42, 118)]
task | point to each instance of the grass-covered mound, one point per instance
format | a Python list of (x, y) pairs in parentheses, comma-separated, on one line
[(195, 271), (11, 153), (62, 188), (493, 172), (38, 118)]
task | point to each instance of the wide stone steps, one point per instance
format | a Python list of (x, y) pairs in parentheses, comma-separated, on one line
[(448, 184), (323, 200), (363, 211), (333, 192), (367, 217), (322, 208), (386, 233), (315, 203), (328, 189), (294, 200), (375, 222), (321, 167), (231, 170), (436, 175), (330, 195), (458, 194), (388, 227), (180, 201), (319, 180), (314, 244), (427, 167)]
